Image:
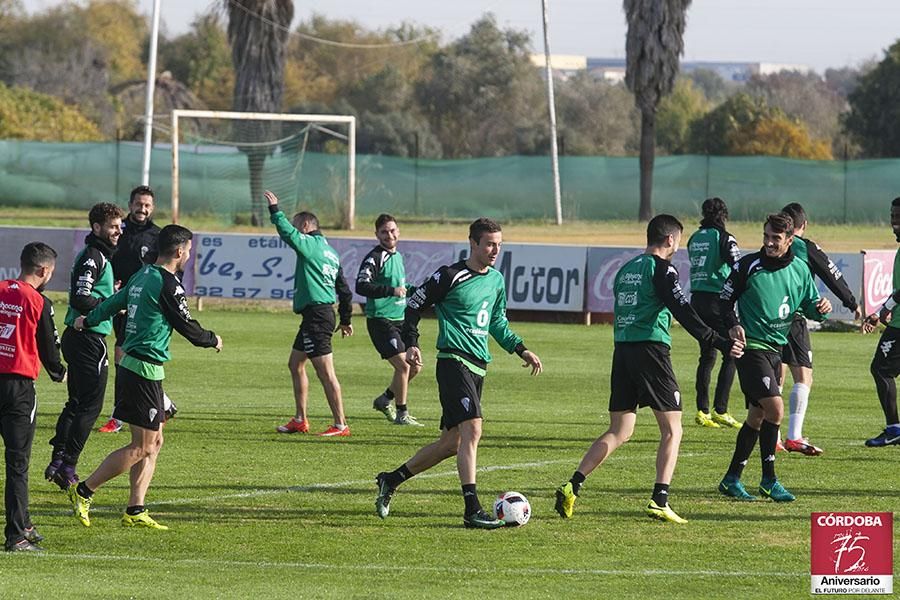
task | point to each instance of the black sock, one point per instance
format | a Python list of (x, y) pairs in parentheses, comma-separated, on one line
[(401, 410), (84, 491), (577, 479), (768, 439), (746, 440), (134, 510), (661, 494), (389, 394), (398, 475), (470, 496)]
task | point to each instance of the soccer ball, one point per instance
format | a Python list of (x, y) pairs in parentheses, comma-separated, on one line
[(512, 508)]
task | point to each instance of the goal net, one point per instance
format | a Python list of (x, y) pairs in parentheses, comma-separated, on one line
[(222, 162)]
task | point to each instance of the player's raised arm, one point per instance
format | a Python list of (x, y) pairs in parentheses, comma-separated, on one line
[(286, 230), (825, 269)]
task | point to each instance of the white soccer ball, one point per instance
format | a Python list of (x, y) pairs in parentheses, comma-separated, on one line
[(512, 508)]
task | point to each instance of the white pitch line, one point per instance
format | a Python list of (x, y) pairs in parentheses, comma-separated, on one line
[(523, 571), (342, 484)]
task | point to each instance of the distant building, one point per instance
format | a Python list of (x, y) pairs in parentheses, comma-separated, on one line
[(613, 69)]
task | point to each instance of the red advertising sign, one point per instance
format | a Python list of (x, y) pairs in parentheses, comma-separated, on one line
[(852, 553), (878, 278)]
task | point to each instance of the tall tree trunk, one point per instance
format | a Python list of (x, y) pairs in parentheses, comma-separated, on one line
[(256, 160), (648, 149)]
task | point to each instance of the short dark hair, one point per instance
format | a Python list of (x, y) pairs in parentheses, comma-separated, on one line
[(482, 225), (302, 218), (660, 227), (141, 190), (171, 237), (896, 201), (715, 213), (382, 219), (795, 211), (781, 223), (103, 212), (36, 255)]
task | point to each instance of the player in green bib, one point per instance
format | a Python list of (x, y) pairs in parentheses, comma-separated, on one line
[(469, 298), (382, 280), (797, 354), (647, 294), (155, 303), (318, 278), (886, 362), (91, 282), (769, 286)]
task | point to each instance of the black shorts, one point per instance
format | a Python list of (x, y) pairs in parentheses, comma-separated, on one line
[(460, 392), (759, 372), (139, 401), (798, 350), (385, 335), (118, 322), (887, 354), (642, 375), (708, 308), (316, 329)]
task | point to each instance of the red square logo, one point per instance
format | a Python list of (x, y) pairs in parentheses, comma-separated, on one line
[(852, 553)]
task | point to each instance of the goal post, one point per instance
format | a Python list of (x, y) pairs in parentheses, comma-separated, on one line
[(178, 115)]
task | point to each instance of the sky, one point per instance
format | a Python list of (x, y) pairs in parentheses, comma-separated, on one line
[(816, 33)]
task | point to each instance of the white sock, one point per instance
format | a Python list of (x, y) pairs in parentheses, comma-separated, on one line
[(798, 403), (167, 402)]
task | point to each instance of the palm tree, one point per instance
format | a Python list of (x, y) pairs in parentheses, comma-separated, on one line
[(654, 43), (258, 32)]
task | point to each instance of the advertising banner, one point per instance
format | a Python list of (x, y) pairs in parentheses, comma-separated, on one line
[(540, 277), (878, 278)]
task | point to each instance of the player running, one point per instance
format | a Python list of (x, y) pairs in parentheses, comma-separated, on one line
[(155, 303), (91, 282), (769, 286), (646, 295), (29, 339), (797, 353), (317, 278), (382, 279), (886, 362), (713, 252), (469, 298)]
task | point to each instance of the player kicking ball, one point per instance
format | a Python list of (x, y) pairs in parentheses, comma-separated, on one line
[(469, 299), (647, 294), (769, 286)]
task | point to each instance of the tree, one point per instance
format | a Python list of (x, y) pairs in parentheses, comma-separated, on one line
[(482, 96), (711, 84), (804, 97), (258, 33), (596, 117), (676, 113), (28, 115), (744, 125), (874, 117), (201, 59), (653, 45)]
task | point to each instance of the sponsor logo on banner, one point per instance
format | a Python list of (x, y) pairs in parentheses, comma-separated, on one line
[(852, 553), (878, 278)]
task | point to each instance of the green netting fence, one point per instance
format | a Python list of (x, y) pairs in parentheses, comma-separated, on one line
[(517, 187)]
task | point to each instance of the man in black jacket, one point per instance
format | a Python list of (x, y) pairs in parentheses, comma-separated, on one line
[(138, 246)]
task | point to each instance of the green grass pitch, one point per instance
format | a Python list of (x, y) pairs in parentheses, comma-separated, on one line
[(256, 514)]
